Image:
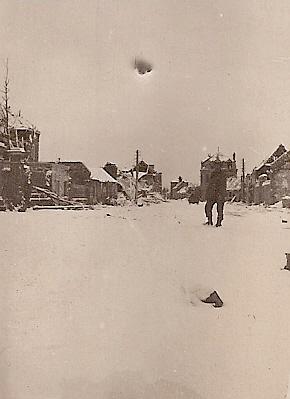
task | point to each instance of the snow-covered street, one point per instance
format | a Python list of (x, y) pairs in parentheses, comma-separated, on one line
[(102, 304)]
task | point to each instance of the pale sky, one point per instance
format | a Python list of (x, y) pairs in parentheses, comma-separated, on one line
[(221, 77)]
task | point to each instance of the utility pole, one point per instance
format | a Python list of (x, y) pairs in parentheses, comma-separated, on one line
[(137, 175), (6, 104), (243, 180)]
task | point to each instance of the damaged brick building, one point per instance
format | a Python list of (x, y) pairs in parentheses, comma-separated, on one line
[(19, 145), (270, 181)]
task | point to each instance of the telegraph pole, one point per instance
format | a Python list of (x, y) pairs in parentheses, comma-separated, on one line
[(243, 180), (137, 175)]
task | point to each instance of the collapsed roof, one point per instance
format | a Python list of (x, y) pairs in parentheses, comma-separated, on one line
[(281, 150), (102, 176)]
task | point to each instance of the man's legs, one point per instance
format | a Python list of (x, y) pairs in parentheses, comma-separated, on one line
[(208, 211), (220, 212)]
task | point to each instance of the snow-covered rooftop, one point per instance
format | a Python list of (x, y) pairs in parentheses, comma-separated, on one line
[(101, 175), (261, 165), (277, 154), (18, 122), (140, 175)]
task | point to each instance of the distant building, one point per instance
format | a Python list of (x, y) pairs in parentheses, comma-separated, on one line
[(207, 166), (128, 183), (18, 147), (74, 181), (149, 180), (103, 188), (40, 177), (22, 142), (148, 177), (179, 189), (41, 173), (70, 179), (266, 166), (270, 181)]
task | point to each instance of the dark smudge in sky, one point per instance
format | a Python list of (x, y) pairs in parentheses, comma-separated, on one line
[(142, 66)]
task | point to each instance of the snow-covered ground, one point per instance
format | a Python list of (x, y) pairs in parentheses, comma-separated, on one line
[(106, 307)]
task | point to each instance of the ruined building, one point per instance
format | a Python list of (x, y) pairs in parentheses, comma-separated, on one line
[(19, 146), (21, 142)]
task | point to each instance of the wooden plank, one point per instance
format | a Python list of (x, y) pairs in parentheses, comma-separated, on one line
[(63, 207)]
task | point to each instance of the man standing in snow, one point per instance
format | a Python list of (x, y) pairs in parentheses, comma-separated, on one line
[(216, 194)]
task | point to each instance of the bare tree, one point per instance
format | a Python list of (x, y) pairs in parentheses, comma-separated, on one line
[(5, 108)]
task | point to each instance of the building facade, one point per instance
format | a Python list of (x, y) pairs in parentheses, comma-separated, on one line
[(148, 177), (179, 189), (22, 138), (103, 188), (70, 179), (270, 181)]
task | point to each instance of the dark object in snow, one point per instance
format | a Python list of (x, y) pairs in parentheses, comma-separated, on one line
[(284, 221), (108, 214), (2, 205), (142, 66), (194, 197), (63, 207), (287, 267), (215, 299)]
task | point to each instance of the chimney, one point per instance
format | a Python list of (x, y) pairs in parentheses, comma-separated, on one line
[(151, 168)]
